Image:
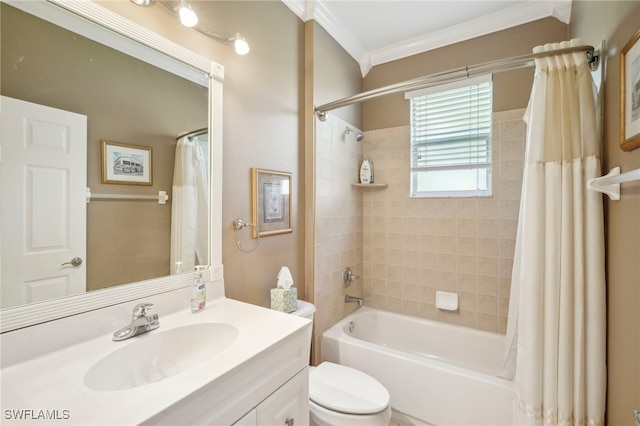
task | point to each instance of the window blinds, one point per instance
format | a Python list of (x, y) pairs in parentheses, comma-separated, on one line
[(451, 126)]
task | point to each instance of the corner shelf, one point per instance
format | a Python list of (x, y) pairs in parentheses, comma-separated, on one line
[(370, 185)]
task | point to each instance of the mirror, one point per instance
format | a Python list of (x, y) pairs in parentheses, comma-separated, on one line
[(127, 241)]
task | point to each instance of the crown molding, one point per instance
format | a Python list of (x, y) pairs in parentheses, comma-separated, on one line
[(519, 14), (506, 18), (318, 10), (299, 7)]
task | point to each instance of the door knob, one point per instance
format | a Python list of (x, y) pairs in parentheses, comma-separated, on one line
[(76, 261)]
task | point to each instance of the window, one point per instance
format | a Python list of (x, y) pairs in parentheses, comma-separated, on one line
[(451, 139)]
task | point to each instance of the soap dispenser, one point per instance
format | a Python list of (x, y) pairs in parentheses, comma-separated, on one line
[(198, 291)]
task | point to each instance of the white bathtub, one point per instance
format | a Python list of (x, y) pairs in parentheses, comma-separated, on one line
[(436, 373)]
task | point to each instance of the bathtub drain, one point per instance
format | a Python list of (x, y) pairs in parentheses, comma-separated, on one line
[(351, 326)]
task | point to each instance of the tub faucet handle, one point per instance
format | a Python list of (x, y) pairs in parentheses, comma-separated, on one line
[(348, 277)]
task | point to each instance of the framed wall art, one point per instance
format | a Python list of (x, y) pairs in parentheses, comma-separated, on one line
[(125, 164), (630, 94), (270, 202)]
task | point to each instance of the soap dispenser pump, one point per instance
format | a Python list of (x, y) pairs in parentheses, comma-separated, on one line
[(198, 291)]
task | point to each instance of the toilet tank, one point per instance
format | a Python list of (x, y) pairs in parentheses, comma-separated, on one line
[(304, 309)]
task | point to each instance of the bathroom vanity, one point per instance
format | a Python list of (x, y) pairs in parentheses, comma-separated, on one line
[(232, 363)]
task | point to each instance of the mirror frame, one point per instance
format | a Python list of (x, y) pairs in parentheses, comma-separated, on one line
[(124, 35)]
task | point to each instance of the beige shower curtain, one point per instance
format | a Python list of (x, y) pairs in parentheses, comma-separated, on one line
[(189, 206), (556, 328)]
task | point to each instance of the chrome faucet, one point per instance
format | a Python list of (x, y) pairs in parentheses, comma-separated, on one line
[(141, 322), (350, 299)]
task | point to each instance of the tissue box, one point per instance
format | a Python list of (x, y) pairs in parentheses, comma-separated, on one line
[(284, 300)]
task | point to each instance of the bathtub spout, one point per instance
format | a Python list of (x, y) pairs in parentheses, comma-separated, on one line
[(350, 299)]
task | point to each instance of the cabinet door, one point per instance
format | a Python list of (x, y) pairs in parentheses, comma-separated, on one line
[(289, 405), (248, 420)]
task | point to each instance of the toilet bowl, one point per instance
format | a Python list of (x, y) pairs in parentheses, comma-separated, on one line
[(341, 395)]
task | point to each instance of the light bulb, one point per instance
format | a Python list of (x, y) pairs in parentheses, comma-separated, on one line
[(188, 17), (241, 45)]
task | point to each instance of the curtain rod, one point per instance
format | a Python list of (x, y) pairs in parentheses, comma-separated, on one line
[(194, 133), (456, 74)]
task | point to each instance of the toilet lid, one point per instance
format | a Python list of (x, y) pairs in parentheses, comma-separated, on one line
[(347, 390)]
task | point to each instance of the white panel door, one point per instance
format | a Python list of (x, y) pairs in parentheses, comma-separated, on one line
[(43, 176)]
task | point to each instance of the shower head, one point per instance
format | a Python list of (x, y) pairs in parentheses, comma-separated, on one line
[(359, 136)]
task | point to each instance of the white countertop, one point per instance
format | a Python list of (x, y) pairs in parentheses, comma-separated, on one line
[(54, 381)]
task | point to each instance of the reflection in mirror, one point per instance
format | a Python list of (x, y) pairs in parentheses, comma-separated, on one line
[(52, 72), (190, 207)]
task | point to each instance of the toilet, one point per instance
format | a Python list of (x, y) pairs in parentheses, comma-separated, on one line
[(341, 395)]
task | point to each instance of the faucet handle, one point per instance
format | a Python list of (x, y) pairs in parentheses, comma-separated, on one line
[(141, 310), (348, 277)]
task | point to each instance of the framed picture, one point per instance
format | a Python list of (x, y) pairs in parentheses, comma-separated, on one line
[(630, 94), (125, 164), (270, 202)]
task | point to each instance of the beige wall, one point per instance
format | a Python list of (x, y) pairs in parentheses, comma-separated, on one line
[(511, 89), (125, 100), (263, 97), (616, 22), (336, 76), (414, 247)]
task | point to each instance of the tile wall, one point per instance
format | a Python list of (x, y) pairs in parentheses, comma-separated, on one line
[(415, 247), (406, 249), (338, 213)]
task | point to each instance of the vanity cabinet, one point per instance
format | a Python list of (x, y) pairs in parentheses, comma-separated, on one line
[(287, 406), (260, 378), (250, 419)]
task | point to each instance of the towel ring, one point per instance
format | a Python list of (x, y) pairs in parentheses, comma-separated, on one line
[(238, 224)]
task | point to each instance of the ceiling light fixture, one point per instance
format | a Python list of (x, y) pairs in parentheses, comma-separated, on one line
[(241, 45), (188, 18)]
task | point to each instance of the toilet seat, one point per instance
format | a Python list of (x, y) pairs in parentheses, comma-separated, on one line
[(320, 416), (346, 390)]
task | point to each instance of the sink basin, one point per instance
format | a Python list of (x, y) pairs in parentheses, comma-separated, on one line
[(159, 354)]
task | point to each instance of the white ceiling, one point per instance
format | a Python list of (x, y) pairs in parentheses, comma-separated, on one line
[(378, 31)]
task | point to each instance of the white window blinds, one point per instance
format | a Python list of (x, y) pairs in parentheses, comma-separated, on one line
[(451, 139)]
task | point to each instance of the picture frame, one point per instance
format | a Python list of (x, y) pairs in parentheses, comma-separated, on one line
[(630, 94), (270, 202), (125, 164)]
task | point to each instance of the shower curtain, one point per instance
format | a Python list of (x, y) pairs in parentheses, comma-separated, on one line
[(189, 206), (556, 329)]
